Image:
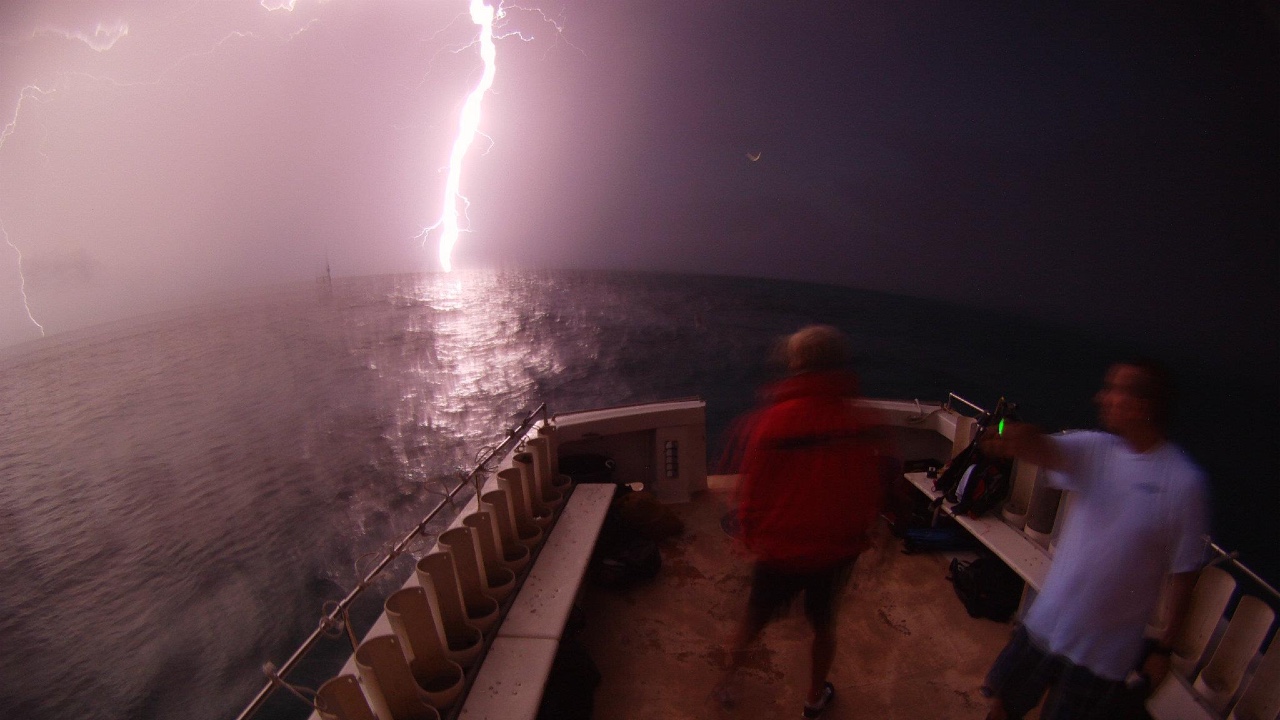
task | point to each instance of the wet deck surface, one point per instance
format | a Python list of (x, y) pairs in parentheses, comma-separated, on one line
[(907, 648)]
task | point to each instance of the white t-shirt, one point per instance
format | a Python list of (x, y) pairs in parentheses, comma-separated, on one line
[(1135, 518)]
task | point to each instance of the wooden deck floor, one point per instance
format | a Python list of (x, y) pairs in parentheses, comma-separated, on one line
[(907, 648)]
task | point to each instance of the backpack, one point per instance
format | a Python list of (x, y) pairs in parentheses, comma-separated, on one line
[(987, 587), (986, 484), (625, 563), (974, 481), (627, 550)]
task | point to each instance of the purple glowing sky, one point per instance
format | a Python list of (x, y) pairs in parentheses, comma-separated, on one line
[(1110, 166)]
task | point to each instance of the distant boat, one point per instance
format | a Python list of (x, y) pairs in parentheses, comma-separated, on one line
[(324, 281)]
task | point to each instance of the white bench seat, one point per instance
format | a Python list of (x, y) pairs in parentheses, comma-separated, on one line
[(519, 660), (510, 682), (514, 672), (542, 606)]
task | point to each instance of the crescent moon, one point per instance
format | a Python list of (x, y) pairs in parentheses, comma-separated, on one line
[(754, 157)]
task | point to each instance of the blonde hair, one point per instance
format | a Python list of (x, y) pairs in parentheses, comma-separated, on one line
[(817, 347)]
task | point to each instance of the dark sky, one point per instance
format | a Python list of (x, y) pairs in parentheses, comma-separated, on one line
[(1111, 165)]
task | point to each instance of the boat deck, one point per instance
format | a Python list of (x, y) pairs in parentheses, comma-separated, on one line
[(907, 647)]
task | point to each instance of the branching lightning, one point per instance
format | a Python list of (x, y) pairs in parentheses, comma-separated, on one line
[(487, 15), (102, 39), (468, 125), (29, 92)]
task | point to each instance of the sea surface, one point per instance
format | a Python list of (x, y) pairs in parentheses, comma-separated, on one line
[(180, 494)]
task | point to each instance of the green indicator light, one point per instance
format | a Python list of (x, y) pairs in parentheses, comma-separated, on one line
[(1000, 428)]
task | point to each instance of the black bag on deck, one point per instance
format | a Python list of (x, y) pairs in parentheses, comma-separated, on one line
[(985, 488), (949, 478), (975, 482), (628, 563), (627, 551), (987, 587)]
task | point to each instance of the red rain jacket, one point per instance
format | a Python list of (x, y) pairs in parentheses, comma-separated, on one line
[(811, 485)]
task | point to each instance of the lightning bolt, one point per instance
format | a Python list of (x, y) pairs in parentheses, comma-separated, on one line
[(487, 15), (22, 280), (102, 39), (30, 92), (468, 126)]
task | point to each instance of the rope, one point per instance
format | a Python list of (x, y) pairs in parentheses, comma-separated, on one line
[(386, 549)]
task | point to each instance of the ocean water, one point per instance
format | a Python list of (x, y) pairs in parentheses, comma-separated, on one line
[(179, 495)]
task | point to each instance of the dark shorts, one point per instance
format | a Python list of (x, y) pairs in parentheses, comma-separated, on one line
[(1023, 672), (773, 588)]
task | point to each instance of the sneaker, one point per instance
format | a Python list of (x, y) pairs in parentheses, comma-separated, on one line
[(816, 709)]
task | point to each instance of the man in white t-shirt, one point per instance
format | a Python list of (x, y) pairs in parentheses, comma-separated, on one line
[(1137, 523)]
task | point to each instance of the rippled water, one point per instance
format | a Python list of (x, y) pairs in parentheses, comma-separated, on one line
[(179, 496)]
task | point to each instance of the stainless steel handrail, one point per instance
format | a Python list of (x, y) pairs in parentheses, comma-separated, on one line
[(1232, 558), (952, 396), (331, 618), (606, 408)]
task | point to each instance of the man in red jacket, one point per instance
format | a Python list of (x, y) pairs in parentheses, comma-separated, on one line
[(810, 492)]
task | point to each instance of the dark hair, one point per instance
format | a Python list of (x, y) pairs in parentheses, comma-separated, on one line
[(1156, 387)]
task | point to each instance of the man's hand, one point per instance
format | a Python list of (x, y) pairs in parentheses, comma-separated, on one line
[(1022, 441)]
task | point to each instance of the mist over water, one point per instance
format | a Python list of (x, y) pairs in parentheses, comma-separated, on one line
[(180, 495)]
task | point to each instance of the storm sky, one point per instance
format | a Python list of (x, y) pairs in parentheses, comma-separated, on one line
[(1110, 165)]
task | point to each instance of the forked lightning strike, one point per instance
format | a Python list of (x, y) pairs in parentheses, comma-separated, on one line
[(30, 92), (103, 37), (450, 223), (454, 208), (468, 125)]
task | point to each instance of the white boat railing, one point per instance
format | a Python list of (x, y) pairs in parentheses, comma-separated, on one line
[(337, 616)]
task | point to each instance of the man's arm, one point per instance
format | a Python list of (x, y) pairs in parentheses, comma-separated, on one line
[(1024, 442), (1180, 586)]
